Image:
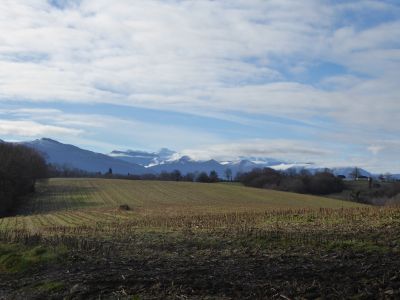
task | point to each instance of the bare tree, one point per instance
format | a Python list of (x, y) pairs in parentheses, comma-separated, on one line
[(355, 173), (228, 174)]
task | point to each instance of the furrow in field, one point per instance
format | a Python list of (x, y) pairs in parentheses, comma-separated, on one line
[(71, 217)]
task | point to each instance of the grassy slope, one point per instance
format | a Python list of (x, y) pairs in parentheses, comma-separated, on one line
[(362, 186), (73, 202), (161, 196), (248, 255)]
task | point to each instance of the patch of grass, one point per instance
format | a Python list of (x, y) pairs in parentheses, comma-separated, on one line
[(16, 258), (356, 246), (50, 286)]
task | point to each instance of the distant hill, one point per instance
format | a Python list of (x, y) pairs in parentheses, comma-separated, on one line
[(74, 157)]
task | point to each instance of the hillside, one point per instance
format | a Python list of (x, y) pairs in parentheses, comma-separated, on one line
[(166, 197), (73, 157)]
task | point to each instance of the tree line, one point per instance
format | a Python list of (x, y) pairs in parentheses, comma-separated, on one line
[(176, 175), (321, 183), (302, 182), (20, 167)]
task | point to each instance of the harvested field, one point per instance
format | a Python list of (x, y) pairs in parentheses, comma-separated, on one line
[(189, 241)]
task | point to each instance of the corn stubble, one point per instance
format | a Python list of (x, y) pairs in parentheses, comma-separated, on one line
[(283, 252)]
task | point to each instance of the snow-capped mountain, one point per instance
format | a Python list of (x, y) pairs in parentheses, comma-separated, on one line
[(167, 160), (73, 157), (186, 165), (262, 161), (242, 166), (347, 171), (143, 158), (142, 162), (164, 161), (312, 168)]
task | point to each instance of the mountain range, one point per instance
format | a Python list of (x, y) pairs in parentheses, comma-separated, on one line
[(142, 162), (73, 157)]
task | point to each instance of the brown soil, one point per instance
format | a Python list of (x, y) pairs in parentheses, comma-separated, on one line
[(178, 271)]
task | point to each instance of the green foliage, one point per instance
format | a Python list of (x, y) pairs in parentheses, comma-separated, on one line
[(356, 246), (16, 258), (50, 286)]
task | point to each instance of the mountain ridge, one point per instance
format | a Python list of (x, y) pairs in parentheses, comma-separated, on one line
[(164, 160), (74, 157)]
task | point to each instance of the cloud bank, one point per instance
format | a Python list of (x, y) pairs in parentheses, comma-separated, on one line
[(302, 61)]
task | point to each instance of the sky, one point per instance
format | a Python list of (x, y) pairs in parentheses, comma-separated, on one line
[(302, 81)]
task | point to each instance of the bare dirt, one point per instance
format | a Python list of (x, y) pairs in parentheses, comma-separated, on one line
[(217, 270)]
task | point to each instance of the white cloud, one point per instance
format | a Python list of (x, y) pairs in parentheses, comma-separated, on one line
[(195, 57), (214, 58), (89, 130), (276, 148), (375, 149), (34, 129)]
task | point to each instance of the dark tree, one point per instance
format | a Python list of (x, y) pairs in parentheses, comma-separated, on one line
[(228, 174), (176, 175), (261, 178), (213, 177), (189, 177), (355, 173), (302, 182), (324, 183), (203, 177), (20, 167)]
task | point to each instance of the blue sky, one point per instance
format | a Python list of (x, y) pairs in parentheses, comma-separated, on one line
[(295, 80)]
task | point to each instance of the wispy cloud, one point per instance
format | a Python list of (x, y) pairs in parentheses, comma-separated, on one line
[(224, 59), (276, 148), (89, 129), (34, 129)]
